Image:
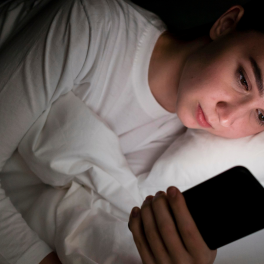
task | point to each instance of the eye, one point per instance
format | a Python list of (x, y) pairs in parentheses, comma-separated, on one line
[(260, 117), (243, 80)]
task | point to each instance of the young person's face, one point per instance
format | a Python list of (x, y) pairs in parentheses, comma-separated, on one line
[(219, 86)]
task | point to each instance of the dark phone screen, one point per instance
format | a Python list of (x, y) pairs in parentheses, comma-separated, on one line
[(227, 207)]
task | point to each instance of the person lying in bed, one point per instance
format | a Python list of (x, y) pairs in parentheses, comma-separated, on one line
[(121, 62), (220, 90)]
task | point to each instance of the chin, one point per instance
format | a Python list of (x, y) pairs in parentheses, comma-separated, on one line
[(187, 121), (188, 124)]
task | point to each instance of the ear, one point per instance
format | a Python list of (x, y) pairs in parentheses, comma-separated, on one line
[(227, 22)]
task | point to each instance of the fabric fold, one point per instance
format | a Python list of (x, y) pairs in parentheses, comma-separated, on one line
[(69, 142), (72, 148)]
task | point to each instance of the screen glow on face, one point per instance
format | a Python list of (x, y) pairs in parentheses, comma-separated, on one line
[(224, 79)]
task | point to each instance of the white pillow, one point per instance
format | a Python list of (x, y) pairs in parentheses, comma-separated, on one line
[(197, 156)]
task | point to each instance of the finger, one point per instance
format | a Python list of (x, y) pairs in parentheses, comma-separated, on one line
[(167, 227), (136, 227), (152, 233), (189, 232)]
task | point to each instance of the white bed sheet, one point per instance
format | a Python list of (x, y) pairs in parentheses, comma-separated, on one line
[(75, 221)]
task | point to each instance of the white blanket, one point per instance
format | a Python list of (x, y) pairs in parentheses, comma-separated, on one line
[(70, 147)]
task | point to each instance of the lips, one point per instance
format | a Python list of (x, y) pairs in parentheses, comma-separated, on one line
[(201, 119)]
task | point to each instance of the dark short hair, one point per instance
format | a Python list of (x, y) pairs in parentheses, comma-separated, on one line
[(252, 18)]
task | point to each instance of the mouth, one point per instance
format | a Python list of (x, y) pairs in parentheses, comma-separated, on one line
[(201, 118)]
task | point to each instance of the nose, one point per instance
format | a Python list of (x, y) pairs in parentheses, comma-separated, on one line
[(229, 113)]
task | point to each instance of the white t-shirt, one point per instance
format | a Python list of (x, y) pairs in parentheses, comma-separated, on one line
[(99, 49), (117, 87)]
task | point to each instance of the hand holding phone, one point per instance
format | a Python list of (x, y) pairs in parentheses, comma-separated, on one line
[(165, 232), (189, 226)]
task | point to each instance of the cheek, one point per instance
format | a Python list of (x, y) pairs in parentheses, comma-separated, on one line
[(206, 69), (196, 86), (200, 76), (201, 82)]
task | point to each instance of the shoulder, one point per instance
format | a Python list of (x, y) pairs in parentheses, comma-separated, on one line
[(119, 11)]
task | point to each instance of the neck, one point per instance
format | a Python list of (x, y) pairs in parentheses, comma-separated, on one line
[(166, 65)]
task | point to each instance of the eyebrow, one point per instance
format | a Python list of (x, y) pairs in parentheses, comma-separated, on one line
[(258, 76)]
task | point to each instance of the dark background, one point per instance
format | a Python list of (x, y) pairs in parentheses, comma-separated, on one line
[(188, 18)]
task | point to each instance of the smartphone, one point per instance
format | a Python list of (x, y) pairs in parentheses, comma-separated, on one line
[(227, 207)]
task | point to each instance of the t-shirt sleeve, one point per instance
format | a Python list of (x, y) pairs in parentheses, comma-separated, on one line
[(37, 66)]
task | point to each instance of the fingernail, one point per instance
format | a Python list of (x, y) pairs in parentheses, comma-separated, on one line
[(172, 192), (148, 199), (159, 193), (135, 212)]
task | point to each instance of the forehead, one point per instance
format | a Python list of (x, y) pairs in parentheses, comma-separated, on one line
[(248, 45), (253, 52), (239, 45), (246, 49)]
